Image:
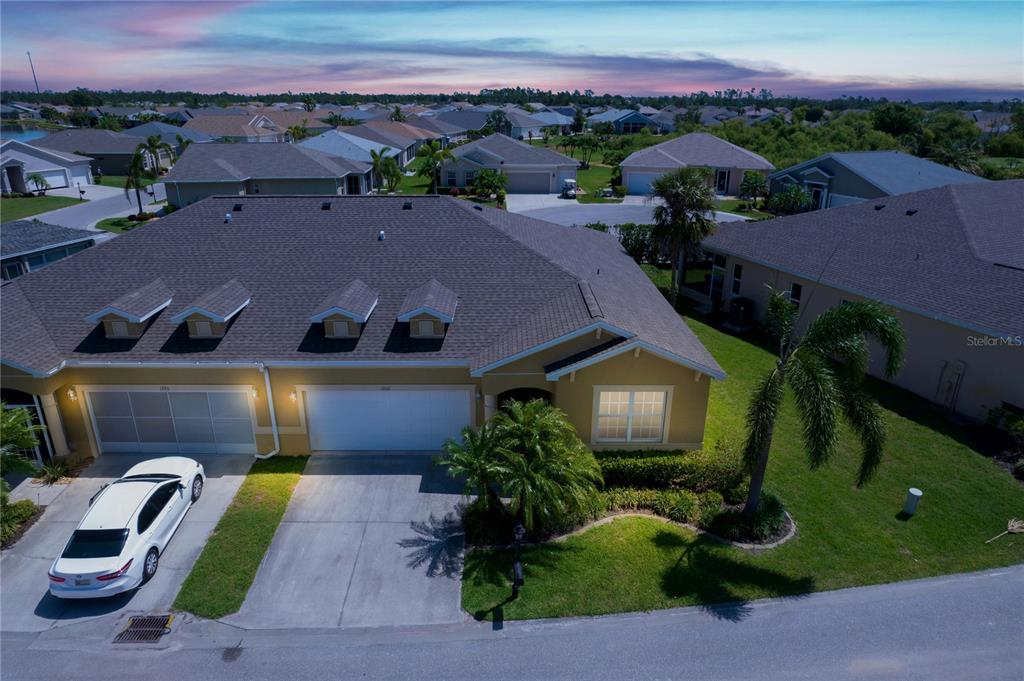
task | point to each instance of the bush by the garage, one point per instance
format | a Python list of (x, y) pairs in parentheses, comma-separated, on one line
[(719, 469)]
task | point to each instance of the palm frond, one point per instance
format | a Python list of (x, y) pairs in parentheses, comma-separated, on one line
[(761, 412), (842, 331), (865, 417), (818, 402)]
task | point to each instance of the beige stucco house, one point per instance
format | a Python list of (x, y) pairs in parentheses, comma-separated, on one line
[(949, 261), (346, 323)]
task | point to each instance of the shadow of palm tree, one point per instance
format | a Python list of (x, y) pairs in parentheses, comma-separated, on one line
[(706, 572), (438, 545)]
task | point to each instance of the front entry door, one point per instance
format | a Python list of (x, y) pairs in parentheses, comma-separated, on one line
[(722, 181)]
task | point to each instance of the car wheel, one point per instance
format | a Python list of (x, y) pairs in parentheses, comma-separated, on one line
[(150, 565), (197, 488)]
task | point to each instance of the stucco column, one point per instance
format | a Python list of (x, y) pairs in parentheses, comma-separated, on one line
[(490, 404), (54, 425)]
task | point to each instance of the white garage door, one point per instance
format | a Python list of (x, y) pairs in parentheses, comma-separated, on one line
[(386, 419), (528, 183), (640, 183), (175, 422), (56, 179)]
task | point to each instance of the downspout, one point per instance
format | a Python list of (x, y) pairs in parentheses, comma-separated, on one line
[(273, 413)]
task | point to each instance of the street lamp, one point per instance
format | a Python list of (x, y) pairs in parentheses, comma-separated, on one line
[(517, 566)]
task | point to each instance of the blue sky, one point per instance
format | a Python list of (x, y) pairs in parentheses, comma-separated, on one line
[(921, 50)]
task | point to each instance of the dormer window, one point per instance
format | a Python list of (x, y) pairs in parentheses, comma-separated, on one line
[(128, 316), (429, 309), (210, 315), (344, 312)]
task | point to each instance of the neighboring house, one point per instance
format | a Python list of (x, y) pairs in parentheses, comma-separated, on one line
[(990, 122), (390, 325), (237, 128), (452, 133), (625, 121), (403, 136), (169, 134), (111, 152), (9, 113), (310, 120), (471, 121), (950, 261), (840, 178), (217, 169), (695, 150), (60, 169), (523, 125), (567, 110), (529, 169), (30, 245), (351, 147), (715, 115), (549, 118)]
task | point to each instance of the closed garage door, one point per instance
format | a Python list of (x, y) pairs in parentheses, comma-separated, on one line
[(640, 183), (80, 175), (528, 183), (386, 419), (56, 178), (173, 422)]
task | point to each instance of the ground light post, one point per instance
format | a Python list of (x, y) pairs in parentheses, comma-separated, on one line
[(517, 565)]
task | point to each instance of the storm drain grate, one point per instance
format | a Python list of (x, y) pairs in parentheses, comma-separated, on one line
[(145, 629)]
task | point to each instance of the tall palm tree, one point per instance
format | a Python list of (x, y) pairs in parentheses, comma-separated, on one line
[(825, 370), (135, 178), (476, 460), (152, 148), (183, 142), (300, 131), (433, 158), (498, 121), (378, 160), (397, 114), (549, 472), (685, 216)]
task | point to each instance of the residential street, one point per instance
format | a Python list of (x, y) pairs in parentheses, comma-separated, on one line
[(104, 202), (961, 627)]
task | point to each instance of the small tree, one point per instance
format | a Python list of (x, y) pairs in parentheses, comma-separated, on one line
[(183, 142), (790, 200), (397, 114), (432, 158), (108, 122), (378, 159), (308, 103), (392, 173), (475, 459), (489, 182), (17, 432), (753, 185), (152, 148), (684, 217), (136, 178), (300, 131), (40, 182), (498, 121), (588, 146)]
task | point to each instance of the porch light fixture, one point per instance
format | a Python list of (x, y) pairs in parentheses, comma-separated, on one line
[(72, 395), (254, 393), (293, 396)]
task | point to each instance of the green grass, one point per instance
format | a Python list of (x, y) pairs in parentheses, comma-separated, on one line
[(19, 208), (732, 206), (117, 225), (593, 180), (662, 276), (15, 514), (846, 536), (119, 180), (413, 184), (224, 571)]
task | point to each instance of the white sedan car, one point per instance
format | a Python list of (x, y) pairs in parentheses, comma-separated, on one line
[(117, 546)]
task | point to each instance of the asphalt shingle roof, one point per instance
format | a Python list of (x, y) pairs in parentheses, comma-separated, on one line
[(958, 257), (539, 266), (432, 295), (168, 133), (894, 172), (699, 150), (27, 236), (344, 145), (236, 162), (391, 133), (89, 141), (355, 298), (514, 152), (221, 301), (229, 125), (140, 300)]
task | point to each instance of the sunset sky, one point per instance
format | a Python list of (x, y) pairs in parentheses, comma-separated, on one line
[(920, 50)]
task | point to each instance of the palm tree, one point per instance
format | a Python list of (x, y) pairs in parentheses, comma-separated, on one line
[(488, 181), (152, 148), (17, 432), (397, 114), (548, 471), (433, 157), (40, 182), (300, 131), (183, 142), (965, 157), (476, 460), (378, 160), (825, 370), (308, 103), (135, 178), (392, 173), (498, 121), (685, 216), (753, 185)]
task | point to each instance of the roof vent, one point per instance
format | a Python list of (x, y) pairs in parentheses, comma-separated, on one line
[(380, 235), (407, 205), (237, 208), (879, 206), (911, 211), (227, 218), (326, 205), (479, 208)]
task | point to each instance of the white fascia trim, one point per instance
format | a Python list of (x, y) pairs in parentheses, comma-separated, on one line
[(320, 316), (134, 319), (433, 363), (631, 345), (50, 247), (181, 316), (34, 373), (426, 309), (582, 331), (818, 171)]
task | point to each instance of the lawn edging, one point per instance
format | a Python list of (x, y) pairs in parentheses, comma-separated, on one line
[(220, 578)]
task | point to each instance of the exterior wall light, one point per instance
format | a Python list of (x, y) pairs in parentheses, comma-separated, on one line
[(72, 395), (254, 393), (293, 396)]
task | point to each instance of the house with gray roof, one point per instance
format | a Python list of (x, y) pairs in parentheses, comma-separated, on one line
[(177, 137), (404, 136), (19, 161), (529, 169), (843, 177), (948, 260), (390, 325), (726, 161), (217, 169), (30, 245), (623, 121), (348, 146), (111, 152), (246, 127)]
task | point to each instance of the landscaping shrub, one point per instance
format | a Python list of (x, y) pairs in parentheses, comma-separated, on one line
[(619, 191), (639, 242), (52, 472), (597, 226), (636, 453), (1018, 469), (14, 515), (718, 469), (679, 505), (768, 523)]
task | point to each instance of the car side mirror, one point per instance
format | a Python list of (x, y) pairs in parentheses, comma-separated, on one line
[(181, 488)]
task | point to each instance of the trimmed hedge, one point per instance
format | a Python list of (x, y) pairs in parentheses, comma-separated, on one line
[(600, 454), (701, 471), (679, 505)]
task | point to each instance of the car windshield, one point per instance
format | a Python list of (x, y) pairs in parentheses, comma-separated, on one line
[(95, 543)]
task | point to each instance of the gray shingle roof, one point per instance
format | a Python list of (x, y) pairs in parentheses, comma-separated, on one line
[(470, 120), (514, 152), (894, 172), (697, 149), (344, 145), (89, 141), (20, 237), (168, 133), (391, 133), (235, 162), (959, 257), (433, 297), (539, 266), (221, 302), (355, 300), (138, 304), (229, 125)]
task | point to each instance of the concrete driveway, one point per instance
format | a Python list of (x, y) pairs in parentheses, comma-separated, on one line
[(25, 603), (368, 540), (109, 202), (520, 203), (574, 213)]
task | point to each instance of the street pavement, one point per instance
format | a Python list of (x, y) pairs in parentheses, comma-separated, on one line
[(963, 627), (109, 202)]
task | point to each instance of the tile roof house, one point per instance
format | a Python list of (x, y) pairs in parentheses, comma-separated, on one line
[(529, 169), (695, 150), (949, 260), (237, 128), (18, 160), (111, 152), (841, 178), (380, 329), (219, 169), (30, 245)]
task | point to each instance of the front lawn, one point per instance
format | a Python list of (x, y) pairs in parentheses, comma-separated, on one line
[(21, 208), (224, 571), (413, 184), (846, 536), (734, 206), (119, 180), (592, 180)]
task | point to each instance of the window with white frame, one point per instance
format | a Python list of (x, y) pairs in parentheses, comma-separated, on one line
[(631, 416), (452, 181), (737, 278), (470, 176)]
